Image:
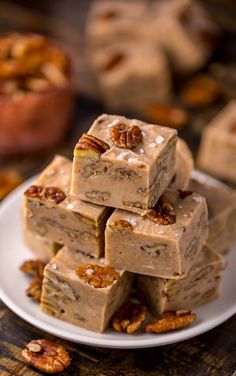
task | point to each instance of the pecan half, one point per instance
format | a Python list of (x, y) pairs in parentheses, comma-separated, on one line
[(46, 356), (50, 194), (163, 213), (96, 275), (167, 114), (90, 147), (129, 317), (34, 290), (126, 137), (170, 321), (34, 191), (121, 224), (33, 268), (183, 194)]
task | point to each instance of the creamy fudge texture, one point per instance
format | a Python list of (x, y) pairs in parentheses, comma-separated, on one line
[(70, 221), (200, 286), (131, 76), (185, 32), (42, 248), (135, 243), (72, 292), (123, 176), (217, 153), (183, 167), (221, 202)]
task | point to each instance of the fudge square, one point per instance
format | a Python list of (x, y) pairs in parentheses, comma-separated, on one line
[(123, 163), (217, 153), (221, 202), (84, 294), (53, 213), (42, 248), (162, 243), (200, 286)]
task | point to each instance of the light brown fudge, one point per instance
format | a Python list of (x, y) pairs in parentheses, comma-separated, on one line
[(131, 76), (42, 248), (138, 244), (83, 293), (71, 222), (221, 202), (200, 286), (183, 167), (131, 179), (217, 153), (185, 31), (109, 22)]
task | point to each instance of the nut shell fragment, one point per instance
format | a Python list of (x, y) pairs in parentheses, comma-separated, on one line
[(129, 317), (126, 137), (170, 321), (46, 356)]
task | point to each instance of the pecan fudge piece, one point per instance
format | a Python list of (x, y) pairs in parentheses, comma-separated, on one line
[(84, 294), (186, 33), (44, 249), (217, 153), (163, 242), (123, 163), (200, 286), (183, 167), (51, 211), (221, 202), (131, 76)]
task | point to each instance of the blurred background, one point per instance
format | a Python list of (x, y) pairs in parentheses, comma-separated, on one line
[(170, 62)]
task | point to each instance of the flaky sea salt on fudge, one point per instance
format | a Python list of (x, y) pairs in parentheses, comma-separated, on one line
[(217, 153), (123, 163), (183, 166), (200, 286), (162, 243), (42, 248), (84, 294), (221, 202), (52, 212)]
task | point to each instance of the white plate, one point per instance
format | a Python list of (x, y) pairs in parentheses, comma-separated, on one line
[(13, 283)]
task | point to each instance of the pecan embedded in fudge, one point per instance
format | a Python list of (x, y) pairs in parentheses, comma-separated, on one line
[(83, 291), (200, 285), (133, 172), (51, 212), (158, 244)]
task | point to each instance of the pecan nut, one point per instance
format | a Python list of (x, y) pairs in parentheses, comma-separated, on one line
[(129, 317), (97, 276), (49, 194), (184, 194), (33, 268), (170, 321), (121, 224), (163, 213), (126, 137), (46, 356), (34, 290), (168, 115), (34, 191), (90, 147)]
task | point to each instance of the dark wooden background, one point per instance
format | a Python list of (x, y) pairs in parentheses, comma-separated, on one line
[(213, 353)]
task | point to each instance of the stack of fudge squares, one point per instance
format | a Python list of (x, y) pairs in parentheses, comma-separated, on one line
[(122, 215)]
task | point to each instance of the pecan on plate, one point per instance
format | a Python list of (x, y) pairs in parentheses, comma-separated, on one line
[(33, 268), (97, 276), (167, 114), (90, 147), (170, 321), (126, 137), (53, 194), (9, 179), (201, 91), (129, 317), (183, 194), (121, 224), (34, 290), (46, 356), (163, 212)]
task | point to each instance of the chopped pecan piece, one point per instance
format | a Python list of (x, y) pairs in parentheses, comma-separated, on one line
[(35, 289), (168, 115), (46, 356), (183, 194), (129, 317), (113, 62), (201, 91), (163, 213), (126, 137), (53, 194), (96, 275), (90, 147), (34, 191), (121, 224), (9, 179), (169, 321), (33, 268)]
